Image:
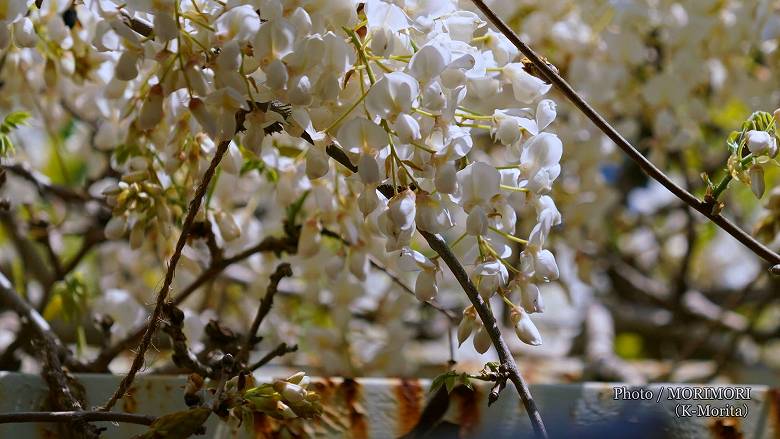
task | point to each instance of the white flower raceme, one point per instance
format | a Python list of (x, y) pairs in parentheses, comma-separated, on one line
[(407, 93)]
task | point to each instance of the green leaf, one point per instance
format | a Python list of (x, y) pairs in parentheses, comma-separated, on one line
[(295, 208), (450, 382), (178, 425), (6, 146), (14, 120)]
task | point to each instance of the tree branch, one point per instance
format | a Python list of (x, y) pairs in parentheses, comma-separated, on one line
[(50, 352), (504, 355), (279, 351), (194, 207), (46, 188), (282, 270), (269, 244), (551, 75), (75, 416)]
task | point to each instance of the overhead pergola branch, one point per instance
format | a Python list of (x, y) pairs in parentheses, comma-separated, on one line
[(551, 75)]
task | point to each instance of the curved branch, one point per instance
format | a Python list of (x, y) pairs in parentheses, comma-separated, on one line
[(550, 74)]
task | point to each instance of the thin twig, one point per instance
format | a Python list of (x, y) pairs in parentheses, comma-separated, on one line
[(282, 270), (268, 244), (182, 356), (46, 187), (648, 167), (75, 416), (194, 207), (279, 351)]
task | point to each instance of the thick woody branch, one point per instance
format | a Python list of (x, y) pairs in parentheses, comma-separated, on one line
[(551, 75), (162, 294)]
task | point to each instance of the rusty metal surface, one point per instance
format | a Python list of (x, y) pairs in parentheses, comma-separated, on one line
[(391, 408)]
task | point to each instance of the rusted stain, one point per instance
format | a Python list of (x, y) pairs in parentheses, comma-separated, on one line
[(468, 408), (773, 399), (409, 395), (726, 428), (262, 426), (129, 403), (358, 424)]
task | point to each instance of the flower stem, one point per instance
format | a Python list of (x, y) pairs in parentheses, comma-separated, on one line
[(508, 236)]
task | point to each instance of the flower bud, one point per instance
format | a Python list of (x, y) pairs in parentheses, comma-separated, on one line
[(467, 324), (761, 142), (359, 263), (368, 169), (227, 226), (204, 117), (165, 27), (317, 163), (276, 75), (481, 340), (116, 227), (546, 111), (297, 378), (309, 240), (407, 128), (545, 265), (507, 131), (368, 200), (137, 235), (229, 59), (127, 66), (152, 109), (425, 287), (477, 222), (24, 33), (293, 393), (530, 299), (382, 41), (285, 411), (757, 185), (300, 91), (524, 328), (446, 179)]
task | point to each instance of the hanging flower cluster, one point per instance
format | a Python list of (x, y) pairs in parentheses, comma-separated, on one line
[(286, 85)]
